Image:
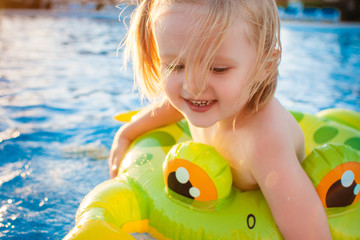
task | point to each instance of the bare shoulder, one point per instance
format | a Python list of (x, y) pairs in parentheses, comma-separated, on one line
[(273, 129), (270, 122), (273, 114)]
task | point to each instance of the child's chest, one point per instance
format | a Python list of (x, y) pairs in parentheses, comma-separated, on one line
[(230, 146)]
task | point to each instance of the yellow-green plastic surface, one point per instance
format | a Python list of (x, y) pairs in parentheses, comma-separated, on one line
[(140, 200)]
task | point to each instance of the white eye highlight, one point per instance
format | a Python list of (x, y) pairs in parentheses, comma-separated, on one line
[(357, 189), (182, 175), (194, 192), (347, 178)]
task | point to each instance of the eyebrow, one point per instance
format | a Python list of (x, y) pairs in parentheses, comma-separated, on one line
[(217, 59), (168, 57), (224, 60)]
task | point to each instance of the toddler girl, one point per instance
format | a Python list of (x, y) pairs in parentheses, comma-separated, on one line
[(215, 62)]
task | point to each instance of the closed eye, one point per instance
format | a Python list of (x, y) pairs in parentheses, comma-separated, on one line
[(175, 67), (219, 69)]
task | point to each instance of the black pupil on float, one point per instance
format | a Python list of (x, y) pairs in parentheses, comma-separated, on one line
[(340, 196), (178, 187)]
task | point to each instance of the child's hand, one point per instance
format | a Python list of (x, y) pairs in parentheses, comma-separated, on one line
[(154, 116), (117, 152)]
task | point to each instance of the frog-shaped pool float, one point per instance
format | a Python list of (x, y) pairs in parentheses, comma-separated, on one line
[(185, 191)]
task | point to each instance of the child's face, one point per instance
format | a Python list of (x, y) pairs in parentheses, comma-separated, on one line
[(226, 93)]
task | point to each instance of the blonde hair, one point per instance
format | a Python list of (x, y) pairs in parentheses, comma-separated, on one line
[(217, 16)]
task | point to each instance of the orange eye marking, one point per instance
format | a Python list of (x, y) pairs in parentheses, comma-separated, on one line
[(336, 175), (197, 177)]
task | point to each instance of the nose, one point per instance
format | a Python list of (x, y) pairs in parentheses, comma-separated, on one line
[(192, 84)]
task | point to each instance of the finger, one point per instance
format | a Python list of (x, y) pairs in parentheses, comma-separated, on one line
[(114, 171), (113, 166)]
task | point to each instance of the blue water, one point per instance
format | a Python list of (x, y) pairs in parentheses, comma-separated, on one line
[(61, 83)]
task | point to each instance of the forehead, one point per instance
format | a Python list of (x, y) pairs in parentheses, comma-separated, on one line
[(176, 21), (179, 27)]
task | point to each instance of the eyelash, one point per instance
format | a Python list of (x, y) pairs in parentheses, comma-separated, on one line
[(180, 67), (175, 67), (219, 70)]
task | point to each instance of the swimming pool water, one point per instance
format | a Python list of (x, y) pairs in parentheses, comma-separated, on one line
[(61, 83)]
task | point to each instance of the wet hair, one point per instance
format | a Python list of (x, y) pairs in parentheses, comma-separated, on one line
[(262, 26)]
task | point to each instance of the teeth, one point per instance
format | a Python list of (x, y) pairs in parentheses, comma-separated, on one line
[(201, 103)]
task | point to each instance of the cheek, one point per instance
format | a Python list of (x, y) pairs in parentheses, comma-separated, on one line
[(231, 86), (172, 86), (234, 94)]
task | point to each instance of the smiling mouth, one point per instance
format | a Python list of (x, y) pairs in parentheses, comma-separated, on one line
[(201, 103)]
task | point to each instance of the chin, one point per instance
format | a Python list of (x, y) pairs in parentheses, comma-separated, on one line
[(200, 123)]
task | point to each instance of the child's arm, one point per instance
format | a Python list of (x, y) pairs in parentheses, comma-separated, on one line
[(289, 192), (151, 118)]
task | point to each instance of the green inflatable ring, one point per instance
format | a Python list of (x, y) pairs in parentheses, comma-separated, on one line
[(185, 191)]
